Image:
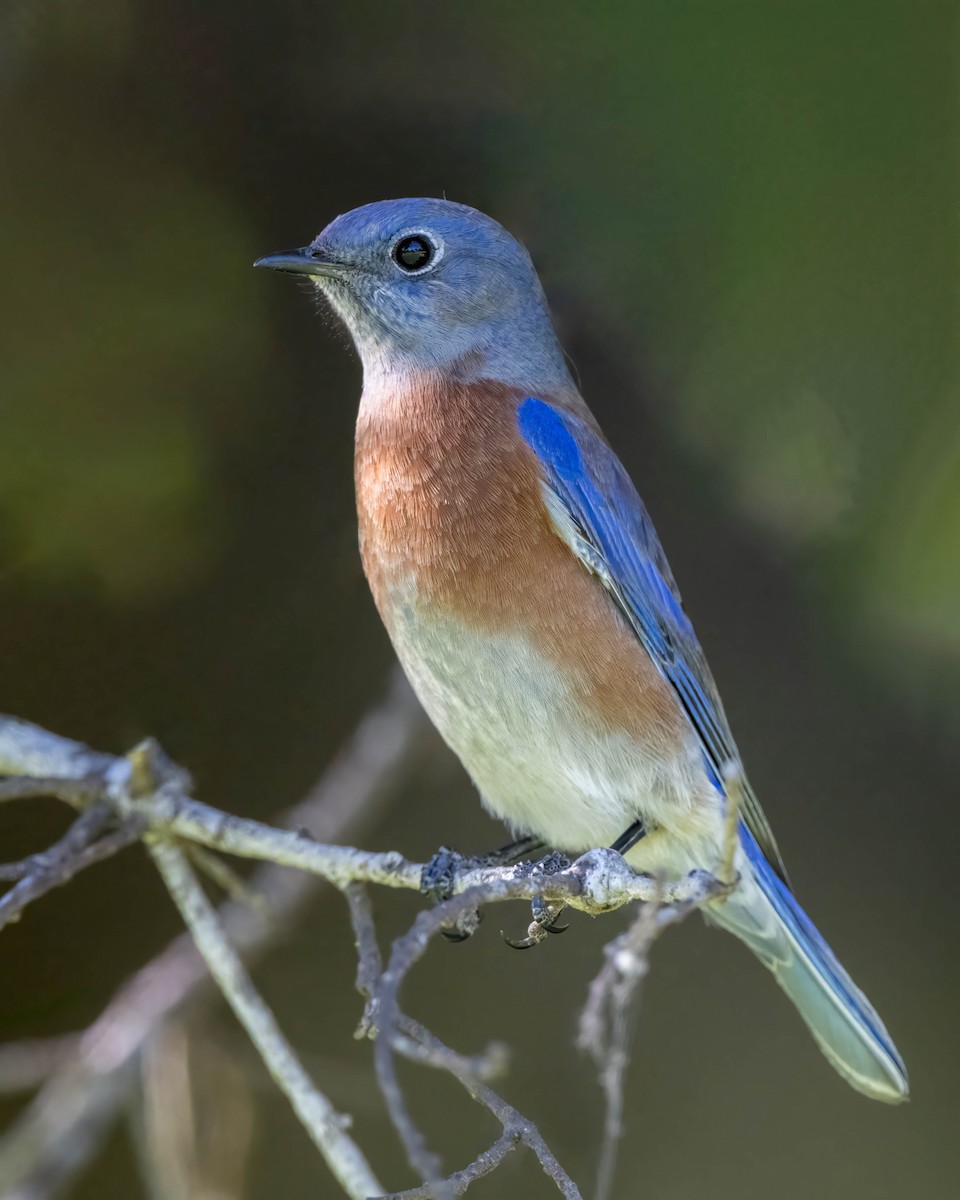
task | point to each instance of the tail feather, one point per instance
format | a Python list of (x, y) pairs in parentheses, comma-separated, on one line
[(764, 914)]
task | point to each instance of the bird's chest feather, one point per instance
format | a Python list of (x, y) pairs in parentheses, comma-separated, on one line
[(516, 651), (447, 497)]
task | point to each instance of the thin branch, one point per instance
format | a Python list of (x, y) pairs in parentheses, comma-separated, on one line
[(226, 878), (26, 749), (76, 850), (605, 1025), (397, 1032), (609, 1016), (369, 959), (77, 792), (162, 1119), (459, 1181), (148, 788), (192, 1120), (69, 1118), (511, 1120), (147, 785), (410, 1038), (326, 1127)]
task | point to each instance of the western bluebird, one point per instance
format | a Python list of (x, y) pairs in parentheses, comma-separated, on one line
[(528, 597)]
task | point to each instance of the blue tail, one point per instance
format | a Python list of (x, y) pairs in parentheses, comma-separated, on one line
[(763, 913)]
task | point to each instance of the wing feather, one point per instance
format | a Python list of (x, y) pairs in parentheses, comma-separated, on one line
[(598, 512)]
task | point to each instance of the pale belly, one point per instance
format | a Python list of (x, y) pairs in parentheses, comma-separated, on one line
[(541, 761)]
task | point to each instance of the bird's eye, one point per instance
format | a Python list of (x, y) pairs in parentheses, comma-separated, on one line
[(412, 253)]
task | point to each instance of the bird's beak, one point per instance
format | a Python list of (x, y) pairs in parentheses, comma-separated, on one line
[(305, 261)]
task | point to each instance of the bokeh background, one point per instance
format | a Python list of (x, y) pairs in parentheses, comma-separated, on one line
[(746, 218)]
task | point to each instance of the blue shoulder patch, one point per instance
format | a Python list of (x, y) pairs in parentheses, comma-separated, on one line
[(546, 433)]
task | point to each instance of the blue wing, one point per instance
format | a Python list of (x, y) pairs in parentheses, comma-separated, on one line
[(598, 511)]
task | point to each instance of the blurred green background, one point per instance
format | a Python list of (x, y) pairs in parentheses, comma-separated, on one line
[(745, 215)]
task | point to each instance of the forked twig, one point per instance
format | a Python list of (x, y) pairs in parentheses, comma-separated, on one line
[(78, 849), (323, 1123), (401, 1034), (149, 797)]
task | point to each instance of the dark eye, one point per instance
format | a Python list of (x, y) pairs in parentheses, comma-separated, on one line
[(412, 253)]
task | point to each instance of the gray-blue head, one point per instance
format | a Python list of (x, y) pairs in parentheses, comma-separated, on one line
[(428, 284)]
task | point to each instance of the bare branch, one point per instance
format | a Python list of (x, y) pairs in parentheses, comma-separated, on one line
[(605, 1029), (459, 1181), (402, 1034), (226, 878), (80, 834), (147, 785), (610, 1014), (512, 1121), (67, 1118), (326, 1127), (26, 749), (67, 1121), (77, 792), (76, 850), (369, 960), (397, 1033)]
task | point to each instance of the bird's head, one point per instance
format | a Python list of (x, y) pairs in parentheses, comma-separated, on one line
[(426, 284)]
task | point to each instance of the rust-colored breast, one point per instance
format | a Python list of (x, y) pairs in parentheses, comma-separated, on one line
[(449, 498)]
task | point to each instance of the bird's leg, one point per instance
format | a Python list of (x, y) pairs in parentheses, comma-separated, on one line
[(439, 876), (630, 836), (514, 852), (545, 915)]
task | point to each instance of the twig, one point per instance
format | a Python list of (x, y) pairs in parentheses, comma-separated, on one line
[(71, 1111), (226, 878), (404, 1035), (326, 1127), (77, 792), (396, 1030), (66, 1122), (80, 834), (369, 960), (48, 758), (459, 1181), (147, 785), (163, 1121), (609, 1015), (605, 1026), (512, 1121), (76, 850)]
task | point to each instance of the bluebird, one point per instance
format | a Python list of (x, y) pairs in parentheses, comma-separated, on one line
[(528, 597)]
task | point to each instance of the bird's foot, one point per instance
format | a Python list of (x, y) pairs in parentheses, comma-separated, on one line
[(440, 875), (545, 913), (437, 881)]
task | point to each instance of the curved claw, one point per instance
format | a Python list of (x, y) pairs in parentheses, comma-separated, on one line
[(532, 939), (465, 926), (544, 922)]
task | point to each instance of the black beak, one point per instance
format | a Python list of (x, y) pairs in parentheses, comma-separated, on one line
[(305, 261)]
